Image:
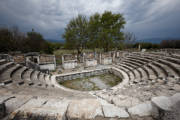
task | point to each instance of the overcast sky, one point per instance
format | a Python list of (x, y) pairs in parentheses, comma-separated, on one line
[(145, 18)]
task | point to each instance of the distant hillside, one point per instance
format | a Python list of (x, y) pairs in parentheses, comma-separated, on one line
[(155, 40), (149, 40)]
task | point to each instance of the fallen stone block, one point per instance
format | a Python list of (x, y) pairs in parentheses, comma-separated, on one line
[(162, 102), (112, 111), (125, 101), (52, 109), (84, 109), (144, 109)]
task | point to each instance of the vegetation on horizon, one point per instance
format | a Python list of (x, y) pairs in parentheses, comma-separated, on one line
[(102, 31), (99, 32)]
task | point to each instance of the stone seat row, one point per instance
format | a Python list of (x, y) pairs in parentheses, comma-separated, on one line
[(141, 68), (11, 73), (168, 67)]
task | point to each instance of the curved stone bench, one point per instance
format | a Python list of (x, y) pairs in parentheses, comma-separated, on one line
[(6, 75), (5, 66), (159, 71), (17, 76), (126, 69), (2, 61), (151, 72), (35, 80), (144, 74), (174, 66), (168, 70)]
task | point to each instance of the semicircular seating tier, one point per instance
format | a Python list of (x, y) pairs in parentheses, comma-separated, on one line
[(25, 92)]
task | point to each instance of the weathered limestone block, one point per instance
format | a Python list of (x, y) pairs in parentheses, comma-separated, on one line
[(125, 101), (15, 102), (70, 64), (107, 61), (144, 109), (162, 102), (84, 109), (113, 111), (52, 109), (89, 63)]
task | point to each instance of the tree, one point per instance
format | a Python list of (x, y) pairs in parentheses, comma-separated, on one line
[(5, 40), (94, 25), (76, 34), (35, 41), (100, 31), (110, 30)]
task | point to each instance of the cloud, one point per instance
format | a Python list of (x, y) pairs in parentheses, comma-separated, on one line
[(51, 16)]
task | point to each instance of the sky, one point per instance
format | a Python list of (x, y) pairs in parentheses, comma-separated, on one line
[(145, 18)]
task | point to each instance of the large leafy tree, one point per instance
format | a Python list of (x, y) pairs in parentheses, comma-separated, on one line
[(5, 40), (94, 27), (76, 34), (110, 31), (100, 31)]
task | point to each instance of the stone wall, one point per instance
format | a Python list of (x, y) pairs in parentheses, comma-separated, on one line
[(90, 62), (106, 61), (71, 64), (89, 73), (47, 67)]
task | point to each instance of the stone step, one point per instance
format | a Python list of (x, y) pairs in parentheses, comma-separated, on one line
[(41, 77), (137, 61), (144, 74), (140, 59), (160, 72), (34, 78), (5, 66), (129, 70), (169, 71), (152, 74), (135, 71), (175, 67), (6, 75), (146, 71), (172, 59), (129, 74), (2, 61), (131, 63), (17, 76), (27, 75)]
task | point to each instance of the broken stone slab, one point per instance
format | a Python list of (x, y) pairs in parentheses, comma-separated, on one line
[(84, 109), (162, 102), (15, 102), (35, 102), (144, 109), (112, 111), (125, 101), (41, 108)]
